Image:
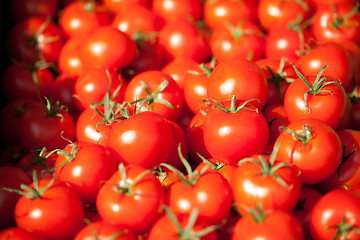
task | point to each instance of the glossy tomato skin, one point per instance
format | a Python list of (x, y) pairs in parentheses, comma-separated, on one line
[(79, 18), (104, 230), (153, 79), (57, 214), (11, 177), (107, 48), (238, 77), (144, 139), (324, 26), (278, 224), (319, 158), (91, 165), (332, 54), (142, 203), (48, 41), (46, 131), (212, 200), (334, 207), (229, 137), (170, 10), (251, 187), (328, 106)]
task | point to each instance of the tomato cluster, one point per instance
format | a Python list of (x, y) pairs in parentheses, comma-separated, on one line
[(180, 119)]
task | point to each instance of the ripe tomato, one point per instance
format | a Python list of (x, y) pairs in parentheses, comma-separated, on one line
[(235, 133), (30, 8), (170, 10), (132, 191), (238, 77), (155, 91), (62, 90), (118, 5), (227, 171), (107, 48), (144, 139), (52, 209), (313, 146), (85, 166), (79, 18), (319, 97), (16, 233), (336, 216)]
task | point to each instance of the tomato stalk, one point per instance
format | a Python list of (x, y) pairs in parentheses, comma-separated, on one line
[(39, 159), (31, 193), (233, 108), (340, 21), (304, 137), (258, 213), (94, 234), (343, 228), (345, 158), (127, 188), (217, 166), (187, 232), (206, 71), (239, 31), (298, 27)]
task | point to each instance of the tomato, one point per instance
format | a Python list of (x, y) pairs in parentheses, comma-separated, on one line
[(330, 54), (238, 77), (107, 48), (155, 91), (118, 5), (62, 90), (52, 209), (170, 10), (103, 230), (79, 18), (144, 139), (173, 226), (29, 8), (227, 171), (257, 179), (235, 133), (46, 126), (313, 146), (319, 97), (16, 233), (220, 12), (85, 166), (272, 12), (277, 224), (181, 38), (92, 86), (131, 191), (33, 39), (19, 82), (69, 60), (336, 216), (339, 22), (241, 41), (11, 177), (302, 211)]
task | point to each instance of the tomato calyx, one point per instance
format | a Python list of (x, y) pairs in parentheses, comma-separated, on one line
[(187, 232), (39, 159), (267, 168), (343, 228), (233, 108), (304, 137), (32, 193), (238, 31), (52, 109), (94, 234), (192, 176), (153, 97), (258, 213), (127, 188), (340, 21), (206, 70), (215, 166), (316, 88)]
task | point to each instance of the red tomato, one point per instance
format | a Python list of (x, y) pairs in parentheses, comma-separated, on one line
[(258, 178), (11, 177), (144, 139), (330, 54), (33, 39), (131, 191), (16, 233), (103, 230), (238, 77), (319, 97), (278, 224), (221, 12), (235, 133), (46, 126), (170, 10), (62, 90), (107, 48), (313, 146), (336, 216), (337, 22), (30, 8), (240, 41), (155, 91), (85, 166), (18, 82), (52, 209), (118, 5)]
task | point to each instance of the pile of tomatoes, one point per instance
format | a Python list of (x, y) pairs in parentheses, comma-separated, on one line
[(180, 119)]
